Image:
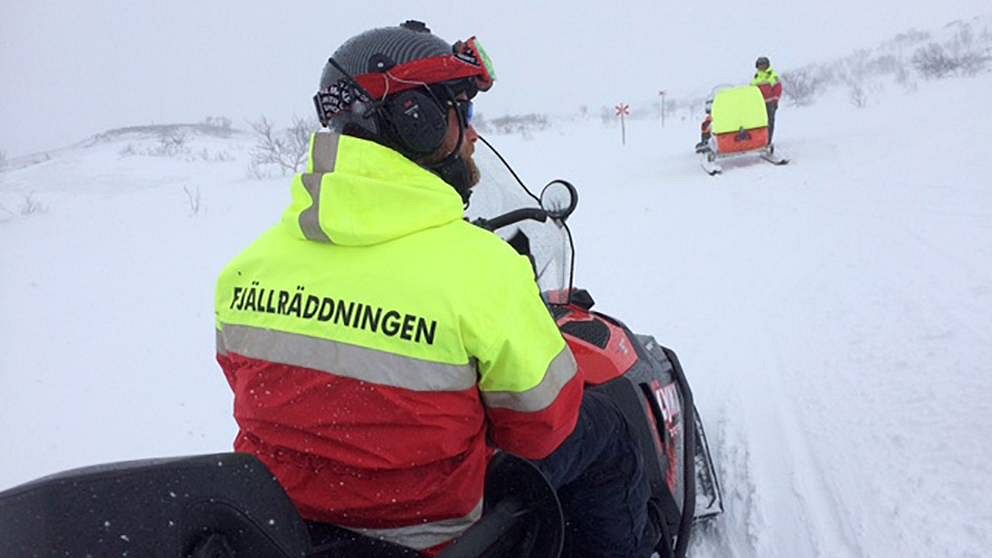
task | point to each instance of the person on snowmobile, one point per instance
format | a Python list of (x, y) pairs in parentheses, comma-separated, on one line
[(381, 348), (771, 89), (704, 129)]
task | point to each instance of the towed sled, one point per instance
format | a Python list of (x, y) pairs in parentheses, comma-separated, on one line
[(229, 505), (739, 129)]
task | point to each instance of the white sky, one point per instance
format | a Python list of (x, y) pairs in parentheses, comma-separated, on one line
[(72, 69)]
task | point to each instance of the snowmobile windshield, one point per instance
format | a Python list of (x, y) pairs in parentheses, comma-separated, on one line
[(548, 243)]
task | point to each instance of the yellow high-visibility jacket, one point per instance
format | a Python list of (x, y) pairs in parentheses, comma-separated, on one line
[(374, 339)]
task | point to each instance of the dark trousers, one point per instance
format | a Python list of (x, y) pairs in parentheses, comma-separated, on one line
[(772, 107), (599, 475)]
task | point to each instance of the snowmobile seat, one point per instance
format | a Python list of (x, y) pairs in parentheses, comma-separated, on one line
[(522, 518), (229, 504), (740, 120), (215, 506), (331, 541)]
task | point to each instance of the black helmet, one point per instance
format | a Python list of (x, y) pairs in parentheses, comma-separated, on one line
[(394, 86), (761, 61)]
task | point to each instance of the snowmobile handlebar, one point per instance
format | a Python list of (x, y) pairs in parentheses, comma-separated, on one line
[(511, 217)]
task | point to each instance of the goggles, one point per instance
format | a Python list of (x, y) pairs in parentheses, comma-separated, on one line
[(467, 109), (472, 51)]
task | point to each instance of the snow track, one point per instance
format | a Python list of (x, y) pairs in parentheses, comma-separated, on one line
[(833, 319)]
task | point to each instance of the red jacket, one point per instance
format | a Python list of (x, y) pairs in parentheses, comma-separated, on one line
[(771, 93)]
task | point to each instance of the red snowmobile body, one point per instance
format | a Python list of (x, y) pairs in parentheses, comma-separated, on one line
[(741, 141), (228, 504), (647, 380)]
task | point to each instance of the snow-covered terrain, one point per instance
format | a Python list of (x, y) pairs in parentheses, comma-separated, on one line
[(834, 316)]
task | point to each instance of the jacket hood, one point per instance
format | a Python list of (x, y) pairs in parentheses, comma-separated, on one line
[(358, 193)]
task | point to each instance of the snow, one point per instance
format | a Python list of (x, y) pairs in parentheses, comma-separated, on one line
[(833, 315)]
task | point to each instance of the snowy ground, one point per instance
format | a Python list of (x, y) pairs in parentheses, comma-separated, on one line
[(834, 316)]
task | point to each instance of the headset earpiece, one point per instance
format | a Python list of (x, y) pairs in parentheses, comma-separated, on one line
[(417, 122)]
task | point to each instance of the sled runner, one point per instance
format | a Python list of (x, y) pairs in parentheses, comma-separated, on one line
[(739, 129)]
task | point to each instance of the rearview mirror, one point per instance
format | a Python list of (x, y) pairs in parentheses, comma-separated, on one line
[(558, 199)]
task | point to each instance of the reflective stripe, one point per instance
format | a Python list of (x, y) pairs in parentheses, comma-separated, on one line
[(325, 152), (221, 350), (323, 156), (426, 535), (560, 371), (342, 359), (310, 217)]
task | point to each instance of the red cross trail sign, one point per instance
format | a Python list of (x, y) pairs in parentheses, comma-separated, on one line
[(623, 109)]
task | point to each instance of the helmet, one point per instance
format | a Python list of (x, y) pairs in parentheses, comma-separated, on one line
[(394, 86), (761, 61)]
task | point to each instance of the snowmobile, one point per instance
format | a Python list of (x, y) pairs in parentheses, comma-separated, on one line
[(739, 129), (228, 504)]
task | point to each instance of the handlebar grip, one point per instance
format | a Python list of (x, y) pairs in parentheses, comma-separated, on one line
[(515, 216)]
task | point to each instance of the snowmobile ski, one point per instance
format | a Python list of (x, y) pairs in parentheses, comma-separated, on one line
[(775, 159), (709, 164), (709, 499)]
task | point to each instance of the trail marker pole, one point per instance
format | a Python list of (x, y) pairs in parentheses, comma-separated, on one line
[(623, 110), (662, 95)]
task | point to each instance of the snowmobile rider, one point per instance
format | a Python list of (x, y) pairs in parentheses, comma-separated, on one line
[(771, 89), (374, 339), (704, 129)]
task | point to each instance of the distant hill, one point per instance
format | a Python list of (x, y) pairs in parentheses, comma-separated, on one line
[(164, 130)]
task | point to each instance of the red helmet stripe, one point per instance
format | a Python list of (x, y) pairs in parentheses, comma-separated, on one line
[(425, 71)]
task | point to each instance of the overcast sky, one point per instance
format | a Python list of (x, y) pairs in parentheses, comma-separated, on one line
[(71, 69)]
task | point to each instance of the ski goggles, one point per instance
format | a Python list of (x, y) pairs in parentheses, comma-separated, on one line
[(468, 60), (473, 52), (467, 110)]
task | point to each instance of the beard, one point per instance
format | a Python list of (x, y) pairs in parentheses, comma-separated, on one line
[(453, 162), (473, 171), (460, 171)]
